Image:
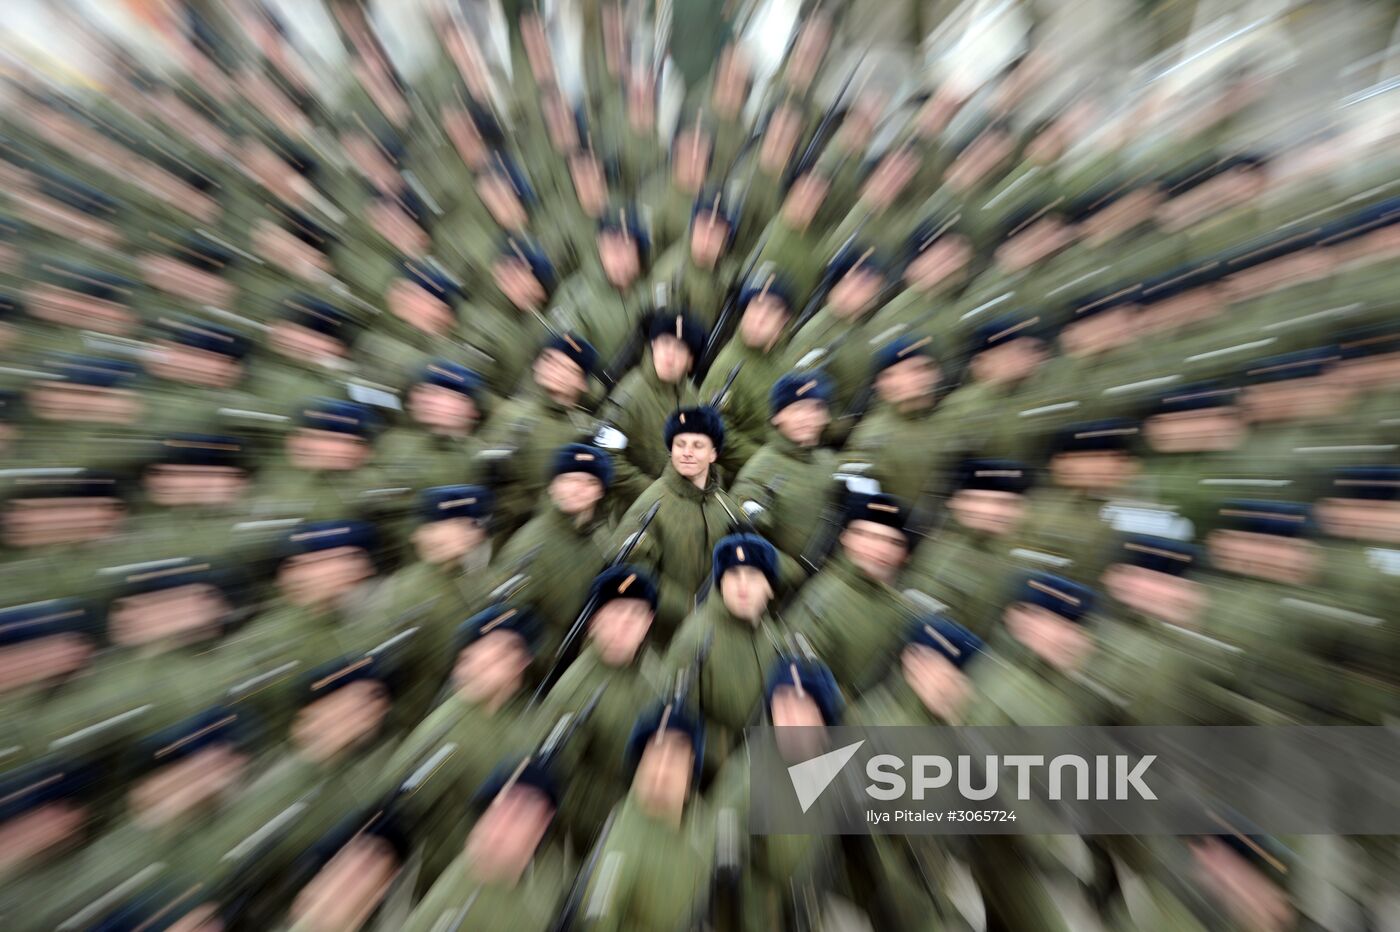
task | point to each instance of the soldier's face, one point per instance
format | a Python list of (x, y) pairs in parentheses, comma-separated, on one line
[(180, 363), (709, 236), (439, 408), (890, 177), (1292, 400), (505, 838), (500, 199), (690, 158), (621, 261), (1034, 244), (176, 615), (1009, 362), (491, 667), (618, 629), (1264, 556), (763, 321), (1253, 901), (575, 493), (311, 579), (808, 50), (804, 198), (41, 660), (731, 81), (419, 309), (444, 541), (1189, 307), (876, 549), (340, 720), (692, 455), (297, 342), (855, 292), (65, 308), (1203, 431), (671, 359), (1104, 225), (1360, 519), (746, 592), (175, 485), (943, 688), (326, 450), (371, 161), (663, 774), (590, 183), (518, 283), (346, 891), (1173, 599), (911, 380), (401, 230), (38, 522), (1106, 469), (988, 511), (559, 375), (1051, 637), (466, 138), (186, 281), (1302, 266), (92, 404), (28, 837), (798, 719), (203, 918), (945, 259), (779, 140), (977, 161), (1377, 245), (802, 422), (185, 786), (1367, 373), (1098, 333)]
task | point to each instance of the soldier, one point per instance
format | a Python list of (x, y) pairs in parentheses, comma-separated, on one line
[(512, 870), (88, 409), (618, 659), (653, 866), (937, 261), (1195, 436), (439, 446), (49, 806), (200, 368), (200, 486), (849, 611), (506, 330), (699, 274), (695, 513), (525, 432), (788, 481), (735, 639), (423, 302), (560, 550), (607, 303), (44, 649), (1004, 354), (64, 299), (310, 343), (58, 530), (641, 402)]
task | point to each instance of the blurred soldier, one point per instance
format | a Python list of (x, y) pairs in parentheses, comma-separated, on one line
[(785, 485), (607, 302), (640, 404), (695, 513), (58, 530), (849, 611), (439, 445), (654, 865), (507, 329), (936, 268), (197, 487), (699, 274), (673, 194), (50, 806), (310, 343), (63, 300), (44, 649), (88, 410), (734, 638), (1004, 354), (199, 369), (561, 548), (422, 323), (1195, 436)]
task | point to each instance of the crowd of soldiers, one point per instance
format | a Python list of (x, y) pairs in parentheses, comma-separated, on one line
[(409, 501)]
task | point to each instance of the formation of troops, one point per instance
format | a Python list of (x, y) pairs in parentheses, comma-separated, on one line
[(411, 497)]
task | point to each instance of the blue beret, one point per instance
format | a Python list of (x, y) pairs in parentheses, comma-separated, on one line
[(430, 279), (204, 336), (1110, 434), (1184, 179), (507, 168), (90, 280), (514, 247), (626, 221), (9, 304), (1160, 554), (704, 420), (85, 484), (316, 314), (580, 457), (529, 773), (681, 325), (811, 677), (1181, 280), (69, 191), (1065, 598), (673, 719), (1002, 330), (879, 508), (297, 157), (315, 536), (1284, 519), (1197, 397), (1275, 245), (1304, 364), (1377, 340), (212, 726), (26, 788), (995, 476), (1358, 224), (36, 620), (185, 572), (344, 417), (773, 284), (204, 253), (799, 386), (623, 581), (713, 203), (305, 229), (321, 681), (96, 371), (579, 350), (497, 617), (1098, 302), (942, 634), (201, 450), (1376, 483), (745, 550), (445, 502), (900, 349), (453, 376), (9, 405), (851, 255), (929, 232)]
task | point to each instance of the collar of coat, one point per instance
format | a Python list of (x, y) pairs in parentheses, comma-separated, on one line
[(682, 487)]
